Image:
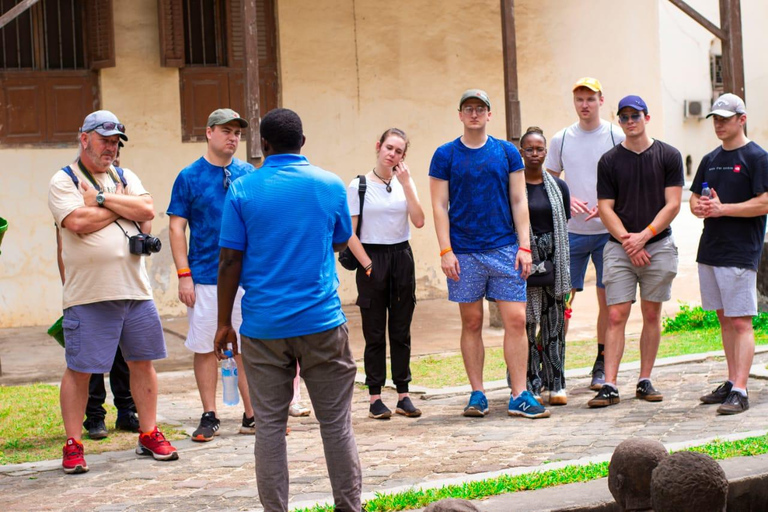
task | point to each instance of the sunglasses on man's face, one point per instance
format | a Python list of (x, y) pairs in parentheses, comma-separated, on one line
[(624, 118)]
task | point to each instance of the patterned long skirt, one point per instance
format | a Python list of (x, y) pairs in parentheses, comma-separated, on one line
[(546, 338)]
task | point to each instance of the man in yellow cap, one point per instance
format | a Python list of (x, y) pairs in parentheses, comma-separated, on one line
[(576, 150)]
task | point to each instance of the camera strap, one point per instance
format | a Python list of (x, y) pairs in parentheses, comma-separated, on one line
[(125, 232)]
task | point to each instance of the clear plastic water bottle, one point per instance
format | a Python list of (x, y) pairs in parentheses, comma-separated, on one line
[(229, 380), (705, 190)]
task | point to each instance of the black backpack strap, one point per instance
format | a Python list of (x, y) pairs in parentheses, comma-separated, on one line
[(613, 141), (361, 188), (71, 174)]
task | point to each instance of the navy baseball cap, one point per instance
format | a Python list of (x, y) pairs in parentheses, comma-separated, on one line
[(105, 123), (632, 101)]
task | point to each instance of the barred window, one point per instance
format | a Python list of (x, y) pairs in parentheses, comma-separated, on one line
[(49, 55), (206, 39)]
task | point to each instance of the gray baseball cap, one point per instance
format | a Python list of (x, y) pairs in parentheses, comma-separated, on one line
[(728, 105), (477, 94), (105, 123), (224, 116)]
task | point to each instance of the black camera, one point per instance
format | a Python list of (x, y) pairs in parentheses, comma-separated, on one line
[(144, 243)]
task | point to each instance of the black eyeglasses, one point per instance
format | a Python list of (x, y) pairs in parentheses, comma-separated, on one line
[(111, 126), (227, 178)]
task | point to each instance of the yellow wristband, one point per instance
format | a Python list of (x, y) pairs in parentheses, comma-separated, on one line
[(445, 251), (652, 229)]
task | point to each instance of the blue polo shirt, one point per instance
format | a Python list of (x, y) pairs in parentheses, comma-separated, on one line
[(198, 196), (285, 218), (479, 211)]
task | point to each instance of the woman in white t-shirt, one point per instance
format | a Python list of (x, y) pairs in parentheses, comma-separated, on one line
[(386, 282)]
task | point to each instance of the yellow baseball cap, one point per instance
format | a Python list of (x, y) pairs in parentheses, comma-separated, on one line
[(588, 82)]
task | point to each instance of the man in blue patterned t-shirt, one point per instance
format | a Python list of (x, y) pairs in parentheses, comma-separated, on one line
[(197, 201), (478, 200)]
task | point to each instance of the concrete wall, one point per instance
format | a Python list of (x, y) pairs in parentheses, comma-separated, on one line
[(351, 69), (685, 50)]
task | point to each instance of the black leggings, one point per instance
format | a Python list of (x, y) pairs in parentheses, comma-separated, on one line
[(391, 286)]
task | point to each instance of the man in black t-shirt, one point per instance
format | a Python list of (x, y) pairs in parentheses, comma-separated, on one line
[(730, 192), (639, 190)]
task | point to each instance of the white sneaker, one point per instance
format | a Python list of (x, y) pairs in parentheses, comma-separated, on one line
[(297, 410), (558, 397)]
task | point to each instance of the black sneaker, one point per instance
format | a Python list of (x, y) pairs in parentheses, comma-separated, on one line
[(96, 428), (598, 376), (735, 403), (719, 395), (605, 397), (209, 427), (646, 391), (407, 409), (127, 420), (379, 411), (249, 425)]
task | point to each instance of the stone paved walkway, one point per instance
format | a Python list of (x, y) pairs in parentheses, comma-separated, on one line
[(395, 453)]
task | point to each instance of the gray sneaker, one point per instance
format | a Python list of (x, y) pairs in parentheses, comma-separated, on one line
[(598, 376)]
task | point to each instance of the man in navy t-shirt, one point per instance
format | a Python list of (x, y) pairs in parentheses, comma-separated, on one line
[(197, 201), (730, 192), (478, 200), (281, 227)]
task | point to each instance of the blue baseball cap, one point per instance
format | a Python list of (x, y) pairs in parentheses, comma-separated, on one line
[(105, 123), (632, 101)]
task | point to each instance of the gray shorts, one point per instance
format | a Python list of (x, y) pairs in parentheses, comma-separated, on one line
[(621, 277), (93, 331), (732, 289)]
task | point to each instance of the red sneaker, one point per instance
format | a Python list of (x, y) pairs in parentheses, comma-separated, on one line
[(73, 461), (154, 444)]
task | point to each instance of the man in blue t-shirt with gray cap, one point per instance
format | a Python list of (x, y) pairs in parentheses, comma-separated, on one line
[(478, 202), (730, 192)]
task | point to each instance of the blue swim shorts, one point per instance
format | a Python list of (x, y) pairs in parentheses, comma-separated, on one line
[(490, 274)]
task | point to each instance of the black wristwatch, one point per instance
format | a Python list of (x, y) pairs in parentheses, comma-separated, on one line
[(100, 199)]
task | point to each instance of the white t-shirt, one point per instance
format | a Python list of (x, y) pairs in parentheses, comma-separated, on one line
[(385, 214), (98, 266), (581, 151)]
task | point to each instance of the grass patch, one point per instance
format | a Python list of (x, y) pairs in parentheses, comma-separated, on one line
[(31, 428), (537, 480)]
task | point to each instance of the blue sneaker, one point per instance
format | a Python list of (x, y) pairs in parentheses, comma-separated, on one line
[(477, 406), (527, 406)]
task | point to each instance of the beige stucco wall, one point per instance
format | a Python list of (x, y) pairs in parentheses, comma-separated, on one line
[(351, 69)]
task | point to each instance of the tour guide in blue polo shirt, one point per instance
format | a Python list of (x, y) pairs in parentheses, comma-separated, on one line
[(280, 228)]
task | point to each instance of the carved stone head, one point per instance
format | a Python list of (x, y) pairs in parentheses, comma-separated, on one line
[(629, 473)]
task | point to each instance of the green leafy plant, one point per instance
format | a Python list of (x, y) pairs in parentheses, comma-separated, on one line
[(695, 318)]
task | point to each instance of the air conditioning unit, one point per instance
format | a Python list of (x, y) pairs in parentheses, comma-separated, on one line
[(695, 109)]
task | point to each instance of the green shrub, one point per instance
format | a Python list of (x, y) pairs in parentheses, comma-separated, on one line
[(695, 319)]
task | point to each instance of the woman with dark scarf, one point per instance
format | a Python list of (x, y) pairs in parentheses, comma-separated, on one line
[(549, 206)]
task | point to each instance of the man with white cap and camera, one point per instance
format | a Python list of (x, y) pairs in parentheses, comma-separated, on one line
[(730, 192), (103, 213)]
